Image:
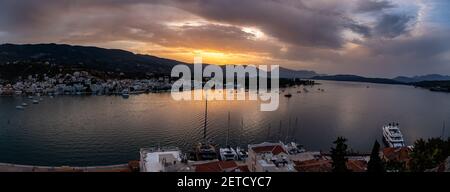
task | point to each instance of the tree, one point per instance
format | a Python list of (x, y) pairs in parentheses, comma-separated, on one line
[(375, 165), (429, 154), (338, 155)]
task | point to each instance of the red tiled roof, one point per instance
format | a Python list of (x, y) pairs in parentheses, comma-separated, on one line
[(274, 149), (317, 165), (220, 166), (357, 165), (314, 165), (397, 154)]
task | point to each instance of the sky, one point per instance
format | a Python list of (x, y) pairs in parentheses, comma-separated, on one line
[(376, 38)]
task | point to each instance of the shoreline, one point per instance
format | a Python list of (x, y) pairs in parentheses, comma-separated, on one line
[(9, 167)]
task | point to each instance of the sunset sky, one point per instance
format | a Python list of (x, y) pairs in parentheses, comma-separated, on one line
[(383, 38)]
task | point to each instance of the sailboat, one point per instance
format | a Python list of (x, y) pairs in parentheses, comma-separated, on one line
[(205, 150), (228, 153), (242, 154)]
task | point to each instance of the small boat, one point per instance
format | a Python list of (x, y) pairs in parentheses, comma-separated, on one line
[(288, 95), (205, 152), (24, 104), (126, 94), (293, 148), (20, 107), (30, 97), (35, 101), (299, 91), (305, 90), (228, 154), (241, 153), (392, 136)]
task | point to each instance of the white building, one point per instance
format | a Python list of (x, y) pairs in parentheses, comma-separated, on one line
[(162, 160), (269, 157)]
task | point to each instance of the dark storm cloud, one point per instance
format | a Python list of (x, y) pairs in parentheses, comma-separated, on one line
[(293, 22), (373, 6), (393, 25), (297, 31)]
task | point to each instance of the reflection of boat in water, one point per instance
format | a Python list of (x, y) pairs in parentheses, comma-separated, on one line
[(392, 136)]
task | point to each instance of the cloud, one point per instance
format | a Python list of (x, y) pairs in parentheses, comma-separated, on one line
[(332, 36), (393, 25), (367, 6)]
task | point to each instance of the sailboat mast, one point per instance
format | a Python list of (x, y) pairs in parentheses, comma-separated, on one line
[(228, 129), (206, 118), (443, 131)]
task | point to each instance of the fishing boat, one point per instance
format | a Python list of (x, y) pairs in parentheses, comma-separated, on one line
[(392, 136)]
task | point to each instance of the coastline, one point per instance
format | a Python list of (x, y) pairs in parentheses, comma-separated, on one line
[(8, 167)]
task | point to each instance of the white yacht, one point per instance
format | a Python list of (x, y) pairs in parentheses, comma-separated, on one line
[(392, 136), (228, 154)]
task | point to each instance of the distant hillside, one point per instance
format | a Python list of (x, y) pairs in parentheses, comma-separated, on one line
[(356, 78), (302, 74), (443, 86), (431, 77), (51, 55), (24, 60)]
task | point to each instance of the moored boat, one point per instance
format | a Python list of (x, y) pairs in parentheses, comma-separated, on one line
[(392, 136)]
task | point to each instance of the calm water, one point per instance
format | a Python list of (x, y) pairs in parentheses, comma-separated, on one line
[(103, 130)]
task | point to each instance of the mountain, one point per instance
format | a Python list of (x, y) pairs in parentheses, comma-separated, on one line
[(415, 79), (302, 74), (29, 59), (20, 60), (356, 78)]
